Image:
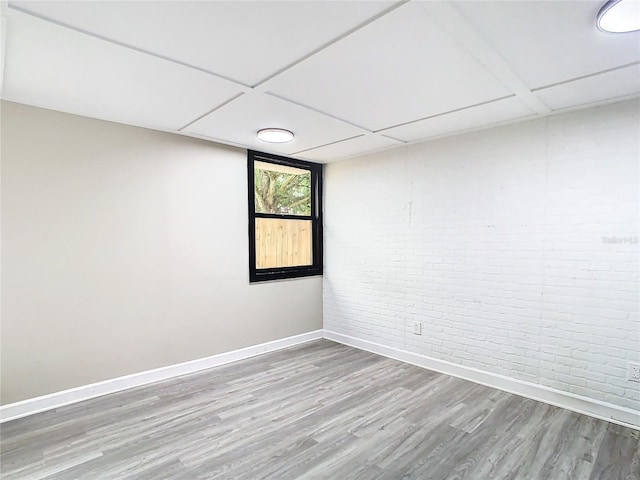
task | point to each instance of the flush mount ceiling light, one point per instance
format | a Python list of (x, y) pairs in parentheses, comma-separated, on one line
[(619, 16), (275, 135)]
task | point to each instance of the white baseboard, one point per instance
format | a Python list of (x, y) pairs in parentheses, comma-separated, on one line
[(577, 403), (30, 406), (587, 406)]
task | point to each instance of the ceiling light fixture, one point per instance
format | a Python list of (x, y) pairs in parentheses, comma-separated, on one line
[(619, 16), (275, 135)]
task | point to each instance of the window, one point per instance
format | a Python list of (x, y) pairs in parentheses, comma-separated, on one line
[(285, 217)]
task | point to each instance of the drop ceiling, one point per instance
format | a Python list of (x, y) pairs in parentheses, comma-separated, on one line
[(347, 77)]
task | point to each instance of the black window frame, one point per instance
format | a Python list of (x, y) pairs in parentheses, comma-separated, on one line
[(280, 273)]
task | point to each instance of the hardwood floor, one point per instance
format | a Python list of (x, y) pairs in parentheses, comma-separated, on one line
[(317, 411)]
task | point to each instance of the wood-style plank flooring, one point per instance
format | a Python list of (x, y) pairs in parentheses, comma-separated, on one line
[(316, 411)]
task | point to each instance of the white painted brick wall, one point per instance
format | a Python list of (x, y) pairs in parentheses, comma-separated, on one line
[(495, 241)]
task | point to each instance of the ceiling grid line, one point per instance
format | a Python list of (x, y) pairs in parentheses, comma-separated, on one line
[(293, 102), (265, 81), (462, 109), (583, 77), (235, 83), (466, 35), (209, 112), (328, 144)]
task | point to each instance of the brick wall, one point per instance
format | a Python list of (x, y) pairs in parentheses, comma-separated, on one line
[(516, 247)]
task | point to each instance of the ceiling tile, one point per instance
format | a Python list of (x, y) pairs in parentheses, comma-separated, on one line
[(239, 121), (399, 68), (348, 148), (399, 75), (551, 42), (57, 68), (609, 85), (486, 114), (243, 40)]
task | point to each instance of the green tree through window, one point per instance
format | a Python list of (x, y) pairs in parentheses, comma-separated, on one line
[(282, 190)]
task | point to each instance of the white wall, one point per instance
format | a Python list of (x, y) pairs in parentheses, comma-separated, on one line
[(495, 241), (123, 250)]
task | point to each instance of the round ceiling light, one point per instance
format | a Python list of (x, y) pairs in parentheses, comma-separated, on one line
[(275, 135), (619, 16)]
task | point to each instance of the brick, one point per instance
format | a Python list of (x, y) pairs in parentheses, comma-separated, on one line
[(503, 259)]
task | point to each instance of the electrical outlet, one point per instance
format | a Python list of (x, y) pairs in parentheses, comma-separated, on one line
[(633, 374), (417, 328)]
